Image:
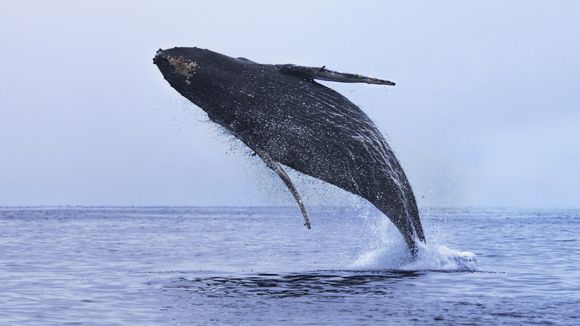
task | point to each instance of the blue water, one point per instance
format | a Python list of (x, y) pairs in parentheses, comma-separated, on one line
[(260, 266)]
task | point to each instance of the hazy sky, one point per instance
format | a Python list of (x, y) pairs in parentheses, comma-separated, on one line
[(485, 111)]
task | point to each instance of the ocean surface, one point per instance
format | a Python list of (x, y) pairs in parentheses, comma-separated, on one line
[(261, 266)]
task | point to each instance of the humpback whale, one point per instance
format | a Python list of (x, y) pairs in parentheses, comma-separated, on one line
[(288, 119)]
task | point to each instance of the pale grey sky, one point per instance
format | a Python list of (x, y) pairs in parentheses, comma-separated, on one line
[(485, 111)]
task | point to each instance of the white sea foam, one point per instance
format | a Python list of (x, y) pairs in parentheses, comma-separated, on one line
[(388, 251), (430, 257), (440, 257)]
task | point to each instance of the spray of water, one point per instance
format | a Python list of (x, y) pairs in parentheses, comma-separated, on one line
[(387, 250)]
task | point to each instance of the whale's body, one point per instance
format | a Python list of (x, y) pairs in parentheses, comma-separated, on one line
[(282, 114)]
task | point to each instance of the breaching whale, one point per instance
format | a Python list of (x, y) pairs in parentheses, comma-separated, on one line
[(287, 118)]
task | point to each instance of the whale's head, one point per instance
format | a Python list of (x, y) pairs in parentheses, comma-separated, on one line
[(180, 65), (198, 74)]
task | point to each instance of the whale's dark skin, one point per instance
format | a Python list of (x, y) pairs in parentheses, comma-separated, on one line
[(285, 117)]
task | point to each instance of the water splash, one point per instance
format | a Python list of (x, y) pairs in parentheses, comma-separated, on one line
[(431, 257), (440, 257), (388, 251)]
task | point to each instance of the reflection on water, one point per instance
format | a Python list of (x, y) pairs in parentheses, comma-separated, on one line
[(296, 284)]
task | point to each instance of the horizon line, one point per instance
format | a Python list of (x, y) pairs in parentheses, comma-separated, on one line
[(272, 206)]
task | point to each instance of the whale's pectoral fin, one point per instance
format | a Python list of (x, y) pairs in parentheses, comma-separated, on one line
[(322, 73), (276, 167)]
